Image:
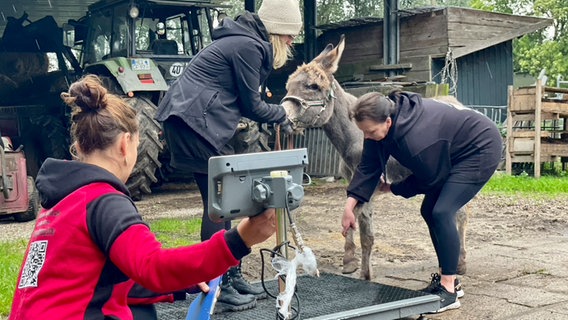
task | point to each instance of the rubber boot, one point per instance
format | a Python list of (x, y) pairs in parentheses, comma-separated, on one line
[(242, 286), (231, 300)]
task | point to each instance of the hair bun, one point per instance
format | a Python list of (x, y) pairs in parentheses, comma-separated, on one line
[(88, 94)]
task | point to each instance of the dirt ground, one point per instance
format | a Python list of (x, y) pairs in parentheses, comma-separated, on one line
[(514, 244), (499, 227)]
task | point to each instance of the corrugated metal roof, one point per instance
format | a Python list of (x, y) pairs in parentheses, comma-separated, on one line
[(61, 10)]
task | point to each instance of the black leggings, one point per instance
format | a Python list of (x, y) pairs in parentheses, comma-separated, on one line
[(439, 211), (208, 227)]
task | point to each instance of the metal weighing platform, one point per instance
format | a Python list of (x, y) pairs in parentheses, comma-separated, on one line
[(328, 297)]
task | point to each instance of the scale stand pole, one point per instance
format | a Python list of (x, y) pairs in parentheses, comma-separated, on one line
[(281, 233)]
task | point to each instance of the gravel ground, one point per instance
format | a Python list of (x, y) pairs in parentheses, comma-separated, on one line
[(510, 238)]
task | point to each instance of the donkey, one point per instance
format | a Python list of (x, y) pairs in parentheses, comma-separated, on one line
[(316, 100)]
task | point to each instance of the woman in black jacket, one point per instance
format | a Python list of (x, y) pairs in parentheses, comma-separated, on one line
[(452, 152), (201, 110)]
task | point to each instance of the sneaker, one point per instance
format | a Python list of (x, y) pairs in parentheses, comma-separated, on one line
[(448, 301), (231, 300), (435, 282), (458, 288), (242, 285)]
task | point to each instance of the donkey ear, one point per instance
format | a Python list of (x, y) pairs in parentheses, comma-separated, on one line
[(329, 58), (324, 52)]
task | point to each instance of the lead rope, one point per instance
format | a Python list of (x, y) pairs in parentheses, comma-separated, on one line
[(278, 144)]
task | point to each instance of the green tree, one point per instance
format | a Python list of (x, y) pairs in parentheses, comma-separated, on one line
[(330, 11), (544, 49)]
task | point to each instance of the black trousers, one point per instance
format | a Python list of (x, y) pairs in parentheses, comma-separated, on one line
[(208, 227), (190, 153), (439, 210)]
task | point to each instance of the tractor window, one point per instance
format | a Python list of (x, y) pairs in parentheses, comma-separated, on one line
[(198, 34), (145, 33), (204, 27), (149, 40), (120, 33), (98, 45), (175, 33)]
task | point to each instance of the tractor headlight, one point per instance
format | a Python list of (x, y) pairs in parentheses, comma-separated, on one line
[(133, 12)]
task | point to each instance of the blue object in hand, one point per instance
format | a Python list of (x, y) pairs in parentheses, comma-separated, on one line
[(202, 307)]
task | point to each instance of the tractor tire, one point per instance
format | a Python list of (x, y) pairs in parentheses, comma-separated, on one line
[(33, 206), (45, 136), (144, 173), (251, 137)]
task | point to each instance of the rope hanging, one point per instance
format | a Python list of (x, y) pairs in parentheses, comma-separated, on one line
[(449, 73)]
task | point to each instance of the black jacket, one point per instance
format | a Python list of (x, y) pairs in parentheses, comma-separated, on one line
[(437, 142), (221, 84)]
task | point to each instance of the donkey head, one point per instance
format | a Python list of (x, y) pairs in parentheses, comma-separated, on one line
[(310, 89)]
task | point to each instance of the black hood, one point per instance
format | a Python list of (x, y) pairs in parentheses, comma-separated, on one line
[(58, 178), (408, 111), (246, 24)]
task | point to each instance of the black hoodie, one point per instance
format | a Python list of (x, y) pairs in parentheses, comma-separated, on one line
[(221, 84), (436, 141)]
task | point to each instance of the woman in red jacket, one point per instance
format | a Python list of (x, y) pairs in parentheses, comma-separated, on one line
[(89, 235)]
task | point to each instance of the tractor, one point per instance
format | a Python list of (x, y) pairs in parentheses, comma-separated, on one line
[(19, 196), (137, 47)]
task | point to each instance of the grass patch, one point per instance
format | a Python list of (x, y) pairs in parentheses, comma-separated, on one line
[(11, 257), (507, 184), (177, 232), (170, 232)]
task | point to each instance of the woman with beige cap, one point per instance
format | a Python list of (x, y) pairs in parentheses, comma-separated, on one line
[(202, 108)]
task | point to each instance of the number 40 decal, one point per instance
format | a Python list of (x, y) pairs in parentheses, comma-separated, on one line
[(176, 69)]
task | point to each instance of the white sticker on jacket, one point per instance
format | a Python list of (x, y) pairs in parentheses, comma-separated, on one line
[(34, 263)]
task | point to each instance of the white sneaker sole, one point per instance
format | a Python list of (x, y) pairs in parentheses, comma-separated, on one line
[(451, 306), (460, 293)]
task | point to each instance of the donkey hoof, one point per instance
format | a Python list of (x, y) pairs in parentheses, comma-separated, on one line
[(350, 267), (462, 268)]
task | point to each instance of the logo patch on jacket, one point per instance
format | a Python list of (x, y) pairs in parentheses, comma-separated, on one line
[(34, 263)]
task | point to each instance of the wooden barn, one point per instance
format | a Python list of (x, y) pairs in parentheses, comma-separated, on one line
[(474, 46)]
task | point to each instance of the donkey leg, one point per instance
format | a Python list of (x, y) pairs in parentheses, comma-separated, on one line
[(367, 240), (461, 220), (350, 262)]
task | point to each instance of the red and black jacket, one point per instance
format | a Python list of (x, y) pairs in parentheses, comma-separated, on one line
[(90, 238)]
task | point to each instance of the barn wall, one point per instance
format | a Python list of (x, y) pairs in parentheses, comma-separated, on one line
[(363, 47), (483, 76), (421, 35)]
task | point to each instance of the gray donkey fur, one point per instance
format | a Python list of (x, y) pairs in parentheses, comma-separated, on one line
[(315, 99)]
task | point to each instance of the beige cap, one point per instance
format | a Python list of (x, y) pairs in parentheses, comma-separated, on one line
[(281, 16)]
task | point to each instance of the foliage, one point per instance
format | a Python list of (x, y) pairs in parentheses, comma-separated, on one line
[(176, 232), (546, 185), (544, 49), (329, 11), (11, 257)]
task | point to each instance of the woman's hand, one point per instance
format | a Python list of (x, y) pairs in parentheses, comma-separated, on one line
[(200, 287), (348, 221), (257, 229)]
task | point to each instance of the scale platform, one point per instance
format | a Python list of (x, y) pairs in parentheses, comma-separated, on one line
[(328, 297)]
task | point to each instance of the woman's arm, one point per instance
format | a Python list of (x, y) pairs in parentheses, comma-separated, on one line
[(368, 172)]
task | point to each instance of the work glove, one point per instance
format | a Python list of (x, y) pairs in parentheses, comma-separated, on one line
[(286, 127)]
